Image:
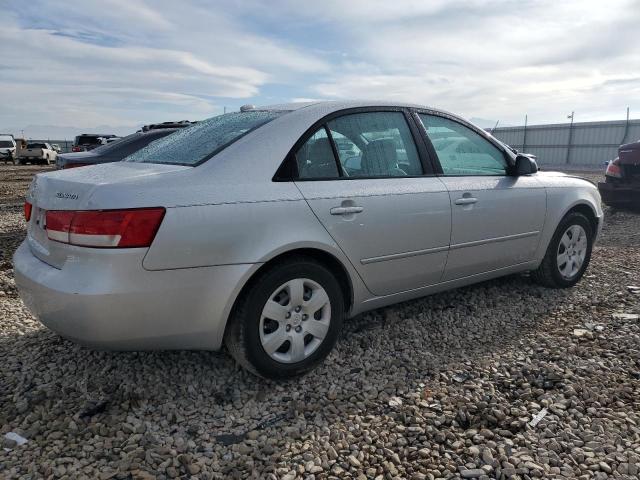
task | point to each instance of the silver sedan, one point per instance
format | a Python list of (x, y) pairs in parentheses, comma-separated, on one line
[(264, 229)]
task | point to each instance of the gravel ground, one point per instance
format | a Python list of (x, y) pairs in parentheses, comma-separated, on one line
[(442, 387)]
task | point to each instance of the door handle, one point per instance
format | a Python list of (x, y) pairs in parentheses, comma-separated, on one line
[(466, 201), (345, 210)]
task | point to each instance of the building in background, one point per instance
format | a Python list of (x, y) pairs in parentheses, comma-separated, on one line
[(571, 145)]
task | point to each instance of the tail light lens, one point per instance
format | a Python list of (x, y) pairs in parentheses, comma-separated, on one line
[(105, 228), (76, 149), (613, 169), (27, 211)]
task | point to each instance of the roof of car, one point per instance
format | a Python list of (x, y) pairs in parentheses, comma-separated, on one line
[(97, 135), (339, 105), (311, 111)]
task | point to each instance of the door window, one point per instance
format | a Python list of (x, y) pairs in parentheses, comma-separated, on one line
[(315, 158), (461, 151), (375, 144)]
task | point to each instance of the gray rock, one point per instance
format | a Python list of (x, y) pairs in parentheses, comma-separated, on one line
[(474, 473)]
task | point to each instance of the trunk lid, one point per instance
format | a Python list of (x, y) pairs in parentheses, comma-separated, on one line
[(629, 161), (629, 154), (74, 190)]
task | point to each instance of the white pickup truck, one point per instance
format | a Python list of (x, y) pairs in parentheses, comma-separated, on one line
[(7, 148), (37, 153)]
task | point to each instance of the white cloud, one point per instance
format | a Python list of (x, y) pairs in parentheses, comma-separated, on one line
[(495, 59), (132, 62), (126, 62)]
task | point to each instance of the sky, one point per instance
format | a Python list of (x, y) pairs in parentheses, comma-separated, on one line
[(120, 64)]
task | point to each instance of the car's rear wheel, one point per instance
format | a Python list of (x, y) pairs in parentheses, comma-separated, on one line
[(568, 254), (287, 319)]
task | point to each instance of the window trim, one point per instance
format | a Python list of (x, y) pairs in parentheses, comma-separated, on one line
[(509, 159), (334, 149), (288, 169)]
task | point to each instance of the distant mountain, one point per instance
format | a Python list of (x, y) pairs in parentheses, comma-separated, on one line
[(60, 133)]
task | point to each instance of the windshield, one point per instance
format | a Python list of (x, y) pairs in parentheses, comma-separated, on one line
[(5, 144), (195, 144)]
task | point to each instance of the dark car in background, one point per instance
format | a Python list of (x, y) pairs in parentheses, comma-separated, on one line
[(89, 141), (121, 148), (621, 187)]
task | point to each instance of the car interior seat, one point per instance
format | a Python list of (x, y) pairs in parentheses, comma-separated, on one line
[(380, 159)]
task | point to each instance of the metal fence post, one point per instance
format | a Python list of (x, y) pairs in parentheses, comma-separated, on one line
[(570, 137), (524, 137), (626, 129)]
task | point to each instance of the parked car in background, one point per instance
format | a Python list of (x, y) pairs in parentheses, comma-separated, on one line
[(89, 141), (8, 148), (250, 229), (116, 151), (621, 187), (37, 153), (158, 126)]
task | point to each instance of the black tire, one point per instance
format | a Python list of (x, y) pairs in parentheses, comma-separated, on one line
[(242, 337), (548, 273)]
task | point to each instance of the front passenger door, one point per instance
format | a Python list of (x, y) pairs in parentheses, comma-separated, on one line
[(373, 197), (496, 218)]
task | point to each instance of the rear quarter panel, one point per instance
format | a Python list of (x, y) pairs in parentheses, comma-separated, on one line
[(247, 232)]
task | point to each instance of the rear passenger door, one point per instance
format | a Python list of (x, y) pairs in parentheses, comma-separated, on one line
[(373, 189), (496, 218)]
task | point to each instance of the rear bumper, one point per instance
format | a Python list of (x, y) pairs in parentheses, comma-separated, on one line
[(619, 193), (112, 302)]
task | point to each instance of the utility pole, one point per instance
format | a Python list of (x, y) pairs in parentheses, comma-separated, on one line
[(224, 110), (626, 129), (524, 139), (570, 137)]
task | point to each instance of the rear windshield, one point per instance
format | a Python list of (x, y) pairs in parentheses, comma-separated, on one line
[(87, 140), (4, 144), (132, 143), (36, 145), (195, 144), (104, 148)]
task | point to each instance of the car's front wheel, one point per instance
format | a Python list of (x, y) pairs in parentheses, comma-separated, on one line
[(568, 254), (287, 320)]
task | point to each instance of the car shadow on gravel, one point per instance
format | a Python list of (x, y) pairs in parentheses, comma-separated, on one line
[(381, 353)]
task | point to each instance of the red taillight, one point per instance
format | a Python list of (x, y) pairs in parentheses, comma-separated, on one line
[(76, 149), (73, 165), (613, 169), (105, 228), (27, 211)]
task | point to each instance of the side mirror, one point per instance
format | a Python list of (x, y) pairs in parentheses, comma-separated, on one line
[(525, 165)]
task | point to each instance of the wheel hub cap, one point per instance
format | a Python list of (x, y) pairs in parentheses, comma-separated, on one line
[(572, 251), (295, 320)]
